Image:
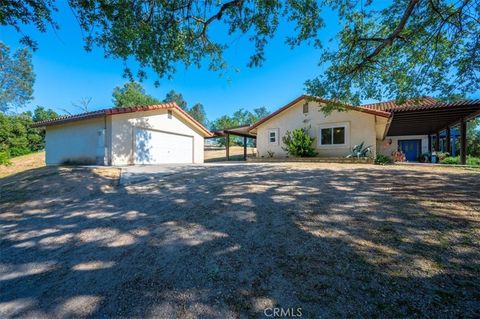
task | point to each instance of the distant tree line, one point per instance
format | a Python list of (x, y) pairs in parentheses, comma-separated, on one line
[(133, 94)]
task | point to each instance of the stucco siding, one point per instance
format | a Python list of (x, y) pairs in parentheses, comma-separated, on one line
[(386, 148), (360, 127), (75, 142), (123, 131)]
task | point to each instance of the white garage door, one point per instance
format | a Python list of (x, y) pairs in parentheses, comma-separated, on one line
[(154, 147)]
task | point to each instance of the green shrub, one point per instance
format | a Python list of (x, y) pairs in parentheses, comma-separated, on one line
[(451, 160), (471, 160), (299, 143), (4, 158), (382, 159), (455, 160)]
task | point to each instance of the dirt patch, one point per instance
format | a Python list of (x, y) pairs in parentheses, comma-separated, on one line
[(23, 163), (228, 241), (236, 153)]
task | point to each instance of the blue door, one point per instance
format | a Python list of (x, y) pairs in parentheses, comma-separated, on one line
[(411, 149)]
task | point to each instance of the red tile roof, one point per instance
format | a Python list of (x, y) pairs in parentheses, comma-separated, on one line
[(393, 106), (418, 104), (318, 99), (122, 110)]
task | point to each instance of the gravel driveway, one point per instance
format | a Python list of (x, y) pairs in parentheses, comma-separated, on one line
[(231, 241)]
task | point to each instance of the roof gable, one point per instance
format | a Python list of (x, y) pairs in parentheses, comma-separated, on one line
[(320, 100), (124, 110)]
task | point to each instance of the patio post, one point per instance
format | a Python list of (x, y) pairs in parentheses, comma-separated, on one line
[(448, 140), (437, 141), (227, 146), (463, 142), (430, 143), (245, 148)]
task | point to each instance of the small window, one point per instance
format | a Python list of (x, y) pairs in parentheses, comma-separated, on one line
[(272, 136), (305, 108), (170, 114), (333, 136)]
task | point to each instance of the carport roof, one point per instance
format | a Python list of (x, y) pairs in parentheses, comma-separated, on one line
[(123, 110), (426, 115)]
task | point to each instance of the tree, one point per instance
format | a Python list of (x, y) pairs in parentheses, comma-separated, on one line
[(473, 137), (16, 78), (223, 122), (173, 96), (198, 112), (132, 94), (396, 49), (17, 137), (42, 114), (259, 113), (403, 50)]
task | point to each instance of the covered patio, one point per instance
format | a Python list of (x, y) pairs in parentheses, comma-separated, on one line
[(432, 119), (240, 131)]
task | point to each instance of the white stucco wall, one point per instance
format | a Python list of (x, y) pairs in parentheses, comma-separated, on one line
[(122, 133), (75, 142), (361, 127), (386, 148)]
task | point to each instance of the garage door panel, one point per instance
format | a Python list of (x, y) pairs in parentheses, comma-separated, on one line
[(155, 147)]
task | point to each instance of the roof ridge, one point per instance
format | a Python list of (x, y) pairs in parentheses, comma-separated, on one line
[(121, 110)]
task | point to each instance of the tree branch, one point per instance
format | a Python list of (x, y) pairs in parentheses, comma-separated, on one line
[(388, 41)]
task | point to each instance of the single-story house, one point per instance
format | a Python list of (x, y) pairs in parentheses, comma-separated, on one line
[(155, 134), (386, 127), (165, 133)]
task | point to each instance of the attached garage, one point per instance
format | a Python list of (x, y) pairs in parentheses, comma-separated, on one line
[(158, 134)]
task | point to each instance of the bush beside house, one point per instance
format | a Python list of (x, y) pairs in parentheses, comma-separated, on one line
[(299, 143)]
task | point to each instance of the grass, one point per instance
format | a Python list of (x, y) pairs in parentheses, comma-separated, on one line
[(23, 163)]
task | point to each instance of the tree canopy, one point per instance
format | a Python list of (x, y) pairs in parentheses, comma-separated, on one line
[(173, 96), (132, 94), (383, 49), (198, 112), (16, 78)]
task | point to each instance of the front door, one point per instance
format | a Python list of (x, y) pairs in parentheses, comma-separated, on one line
[(411, 149)]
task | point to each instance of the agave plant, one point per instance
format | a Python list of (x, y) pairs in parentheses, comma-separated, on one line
[(360, 151)]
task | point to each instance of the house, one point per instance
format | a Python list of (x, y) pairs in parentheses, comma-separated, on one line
[(335, 134), (415, 127), (155, 134)]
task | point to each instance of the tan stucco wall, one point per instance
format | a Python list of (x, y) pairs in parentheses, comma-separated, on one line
[(75, 142), (362, 128), (122, 133), (385, 148)]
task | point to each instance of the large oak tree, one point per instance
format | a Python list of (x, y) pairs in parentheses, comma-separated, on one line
[(397, 49)]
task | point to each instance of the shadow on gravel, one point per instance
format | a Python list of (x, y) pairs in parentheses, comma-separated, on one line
[(231, 241)]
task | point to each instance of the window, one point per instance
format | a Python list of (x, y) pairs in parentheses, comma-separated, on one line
[(305, 108), (169, 114), (273, 136), (333, 135)]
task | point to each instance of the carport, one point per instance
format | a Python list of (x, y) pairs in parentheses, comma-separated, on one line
[(433, 118), (242, 131)]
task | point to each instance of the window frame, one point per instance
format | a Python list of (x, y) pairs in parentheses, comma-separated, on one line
[(332, 126), (276, 132), (305, 108)]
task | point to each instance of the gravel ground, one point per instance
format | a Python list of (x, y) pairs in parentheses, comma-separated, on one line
[(231, 241)]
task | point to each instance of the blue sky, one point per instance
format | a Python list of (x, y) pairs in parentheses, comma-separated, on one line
[(65, 72)]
